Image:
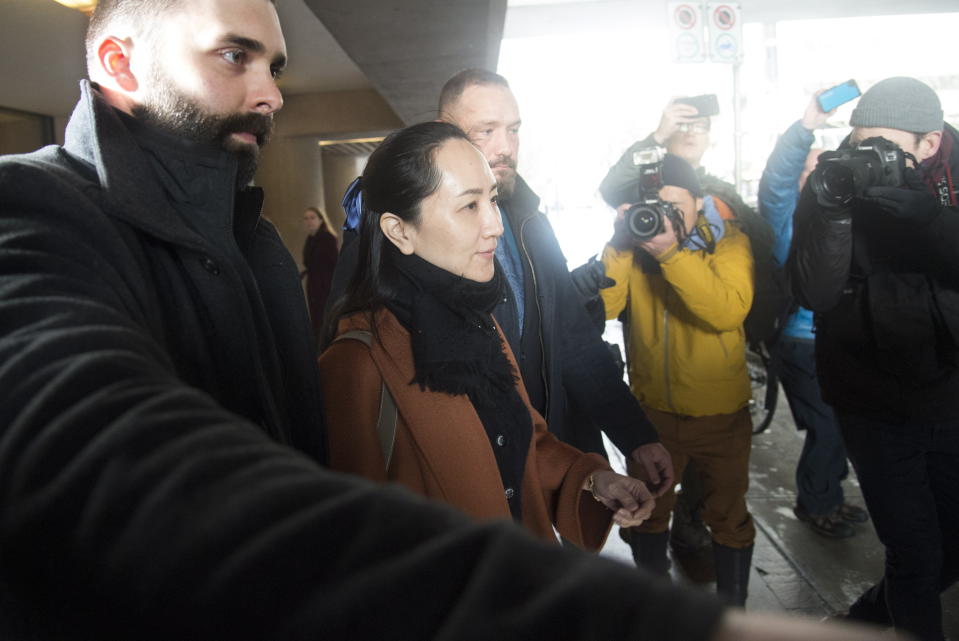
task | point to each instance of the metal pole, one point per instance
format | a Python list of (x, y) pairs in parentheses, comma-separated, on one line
[(737, 131)]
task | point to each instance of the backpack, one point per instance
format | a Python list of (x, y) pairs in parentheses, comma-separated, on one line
[(772, 298)]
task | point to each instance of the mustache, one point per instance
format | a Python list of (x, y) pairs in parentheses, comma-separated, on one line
[(503, 161), (260, 125)]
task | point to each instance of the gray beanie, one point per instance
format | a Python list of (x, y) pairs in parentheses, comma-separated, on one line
[(900, 103)]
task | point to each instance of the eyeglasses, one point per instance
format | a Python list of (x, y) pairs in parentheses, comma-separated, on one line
[(695, 127)]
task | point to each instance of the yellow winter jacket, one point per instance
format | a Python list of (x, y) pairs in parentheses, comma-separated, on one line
[(685, 341)]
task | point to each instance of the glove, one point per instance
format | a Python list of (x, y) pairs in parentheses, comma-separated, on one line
[(622, 240), (590, 277), (912, 202)]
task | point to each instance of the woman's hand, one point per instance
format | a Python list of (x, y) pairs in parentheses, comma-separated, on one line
[(629, 498)]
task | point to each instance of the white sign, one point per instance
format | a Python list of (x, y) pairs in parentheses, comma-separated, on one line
[(724, 21), (687, 31)]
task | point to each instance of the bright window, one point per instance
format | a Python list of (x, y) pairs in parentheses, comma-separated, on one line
[(585, 97)]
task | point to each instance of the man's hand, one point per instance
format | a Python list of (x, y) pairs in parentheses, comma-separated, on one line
[(675, 114), (629, 498), (814, 117), (661, 242), (912, 202), (658, 466)]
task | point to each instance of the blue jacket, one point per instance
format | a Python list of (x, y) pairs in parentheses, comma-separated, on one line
[(778, 195)]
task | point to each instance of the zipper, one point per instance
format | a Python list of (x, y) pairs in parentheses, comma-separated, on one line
[(539, 312), (669, 393)]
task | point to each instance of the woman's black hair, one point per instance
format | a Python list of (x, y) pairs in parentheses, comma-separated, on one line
[(399, 175)]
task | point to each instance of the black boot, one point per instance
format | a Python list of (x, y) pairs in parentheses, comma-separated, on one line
[(649, 551), (732, 573)]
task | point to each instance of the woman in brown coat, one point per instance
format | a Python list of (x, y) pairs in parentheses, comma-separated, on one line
[(415, 328)]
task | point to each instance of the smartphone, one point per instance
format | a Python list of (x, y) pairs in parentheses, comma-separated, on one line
[(706, 105), (838, 95)]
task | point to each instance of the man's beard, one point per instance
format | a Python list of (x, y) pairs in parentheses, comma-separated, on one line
[(506, 181), (168, 109)]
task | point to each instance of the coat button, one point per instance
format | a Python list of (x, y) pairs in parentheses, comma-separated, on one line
[(510, 492), (210, 265), (500, 440)]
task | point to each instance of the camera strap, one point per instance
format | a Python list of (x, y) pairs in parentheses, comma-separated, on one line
[(703, 229)]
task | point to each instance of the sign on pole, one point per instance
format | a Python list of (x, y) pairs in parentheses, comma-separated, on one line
[(725, 25), (687, 31)]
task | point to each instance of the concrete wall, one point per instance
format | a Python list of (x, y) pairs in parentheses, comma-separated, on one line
[(294, 171), (22, 133), (335, 114), (291, 174)]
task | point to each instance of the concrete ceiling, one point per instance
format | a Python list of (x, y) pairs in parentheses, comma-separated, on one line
[(42, 59), (408, 48), (404, 49)]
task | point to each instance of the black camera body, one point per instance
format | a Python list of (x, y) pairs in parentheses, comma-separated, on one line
[(644, 219), (845, 174)]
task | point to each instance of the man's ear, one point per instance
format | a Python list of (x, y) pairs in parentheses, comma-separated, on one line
[(113, 55), (929, 145), (399, 232)]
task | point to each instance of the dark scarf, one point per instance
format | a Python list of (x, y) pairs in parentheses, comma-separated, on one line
[(457, 350)]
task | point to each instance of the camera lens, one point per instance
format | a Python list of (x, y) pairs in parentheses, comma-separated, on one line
[(644, 221), (838, 182)]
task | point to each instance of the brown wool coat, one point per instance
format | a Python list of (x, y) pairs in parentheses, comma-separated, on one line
[(441, 449)]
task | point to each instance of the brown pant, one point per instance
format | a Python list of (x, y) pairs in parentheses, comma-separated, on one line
[(720, 446)]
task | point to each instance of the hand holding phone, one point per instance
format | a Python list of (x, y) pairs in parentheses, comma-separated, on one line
[(838, 95), (706, 104)]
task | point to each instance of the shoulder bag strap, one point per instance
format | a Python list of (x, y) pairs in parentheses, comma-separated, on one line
[(386, 423)]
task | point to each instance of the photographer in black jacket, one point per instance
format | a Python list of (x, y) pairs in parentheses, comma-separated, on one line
[(875, 252)]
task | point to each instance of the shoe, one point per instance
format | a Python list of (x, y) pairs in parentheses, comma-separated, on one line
[(830, 525), (852, 513), (690, 537)]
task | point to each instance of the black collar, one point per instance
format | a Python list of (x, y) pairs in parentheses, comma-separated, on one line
[(523, 204), (126, 155)]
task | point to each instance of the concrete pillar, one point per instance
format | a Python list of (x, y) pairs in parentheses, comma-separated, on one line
[(296, 174), (291, 174)]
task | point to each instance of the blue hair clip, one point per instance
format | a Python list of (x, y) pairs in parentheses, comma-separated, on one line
[(353, 205)]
